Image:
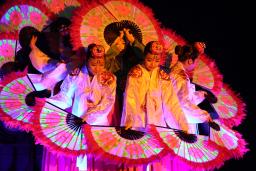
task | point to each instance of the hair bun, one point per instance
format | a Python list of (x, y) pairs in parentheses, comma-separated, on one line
[(178, 50)]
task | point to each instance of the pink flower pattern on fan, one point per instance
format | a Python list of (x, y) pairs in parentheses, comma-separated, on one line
[(223, 109), (227, 100), (36, 18), (142, 20), (208, 146), (205, 79), (229, 140), (52, 118), (108, 138), (62, 137), (195, 152), (57, 5), (18, 88), (171, 141), (134, 149), (94, 21), (123, 10), (13, 106), (6, 50), (15, 18), (92, 39)]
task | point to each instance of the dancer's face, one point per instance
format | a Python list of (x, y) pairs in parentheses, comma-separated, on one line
[(151, 61), (190, 64), (174, 59), (96, 65)]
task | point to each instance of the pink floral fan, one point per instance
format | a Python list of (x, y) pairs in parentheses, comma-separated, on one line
[(13, 109), (206, 73), (8, 46), (19, 13), (171, 40), (90, 21), (57, 6), (195, 150), (228, 138), (60, 131), (230, 107), (120, 146)]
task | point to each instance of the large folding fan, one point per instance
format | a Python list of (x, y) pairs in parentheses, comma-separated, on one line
[(230, 107), (120, 146), (92, 20), (228, 138), (19, 13), (195, 150), (60, 131), (13, 108)]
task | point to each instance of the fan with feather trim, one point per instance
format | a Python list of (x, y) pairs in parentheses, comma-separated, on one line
[(57, 6), (8, 47), (196, 150), (120, 146), (205, 73), (60, 131), (230, 107), (14, 110), (228, 138), (91, 20), (17, 14)]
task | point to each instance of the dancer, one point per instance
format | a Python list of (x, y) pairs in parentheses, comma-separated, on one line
[(189, 98), (149, 98), (93, 90)]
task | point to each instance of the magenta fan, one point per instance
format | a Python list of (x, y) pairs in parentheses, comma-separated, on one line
[(228, 138), (120, 146), (197, 151), (206, 72), (19, 13), (57, 6), (230, 107), (93, 20), (8, 46), (13, 109), (171, 40), (60, 131)]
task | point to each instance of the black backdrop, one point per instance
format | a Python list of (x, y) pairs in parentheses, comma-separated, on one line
[(222, 25)]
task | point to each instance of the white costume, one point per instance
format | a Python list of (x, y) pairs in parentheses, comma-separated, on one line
[(149, 99), (189, 98), (98, 92), (52, 72), (80, 91)]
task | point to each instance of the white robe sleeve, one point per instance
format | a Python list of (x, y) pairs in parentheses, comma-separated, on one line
[(103, 99), (67, 90), (197, 96), (173, 113), (193, 113)]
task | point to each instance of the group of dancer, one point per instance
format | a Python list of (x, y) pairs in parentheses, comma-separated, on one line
[(130, 84)]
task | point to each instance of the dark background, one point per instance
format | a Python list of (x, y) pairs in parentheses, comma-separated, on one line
[(223, 26)]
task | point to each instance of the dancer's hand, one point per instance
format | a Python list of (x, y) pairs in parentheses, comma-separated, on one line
[(209, 118), (129, 36), (128, 126), (119, 42)]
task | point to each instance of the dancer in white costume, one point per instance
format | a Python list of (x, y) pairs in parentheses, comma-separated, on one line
[(93, 90), (149, 97), (189, 98)]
